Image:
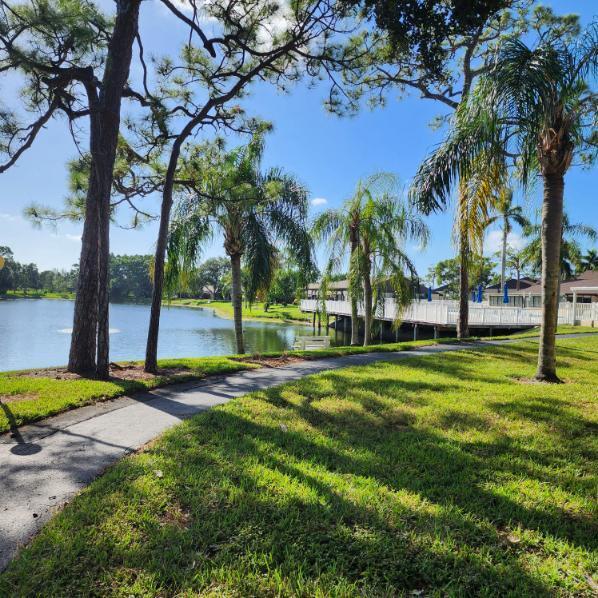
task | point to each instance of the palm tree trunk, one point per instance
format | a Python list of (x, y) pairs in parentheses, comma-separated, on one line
[(237, 299), (463, 319), (552, 223), (354, 322), (503, 259), (367, 308)]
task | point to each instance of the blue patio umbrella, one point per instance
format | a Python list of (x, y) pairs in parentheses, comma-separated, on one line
[(429, 293), (480, 293), (505, 297), (473, 295)]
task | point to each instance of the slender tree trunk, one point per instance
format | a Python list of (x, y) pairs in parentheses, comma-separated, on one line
[(463, 319), (237, 298), (552, 223), (503, 259), (367, 308), (91, 305), (151, 349), (82, 357), (354, 322)]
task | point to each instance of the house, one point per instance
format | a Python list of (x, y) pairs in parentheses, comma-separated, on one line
[(583, 288), (338, 290)]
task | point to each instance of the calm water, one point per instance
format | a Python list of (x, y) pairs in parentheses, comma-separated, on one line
[(36, 333)]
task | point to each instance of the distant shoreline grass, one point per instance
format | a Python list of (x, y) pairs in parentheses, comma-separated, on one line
[(283, 313), (37, 295), (444, 475)]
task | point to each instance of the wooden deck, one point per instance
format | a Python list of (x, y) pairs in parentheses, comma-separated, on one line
[(444, 314)]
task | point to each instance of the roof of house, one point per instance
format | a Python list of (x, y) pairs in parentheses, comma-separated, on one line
[(334, 285), (524, 283), (589, 278)]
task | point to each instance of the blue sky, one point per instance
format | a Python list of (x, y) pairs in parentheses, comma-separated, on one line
[(327, 153)]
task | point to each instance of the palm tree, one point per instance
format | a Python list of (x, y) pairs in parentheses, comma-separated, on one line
[(517, 262), (507, 214), (590, 260), (570, 254), (255, 213), (372, 227), (535, 104)]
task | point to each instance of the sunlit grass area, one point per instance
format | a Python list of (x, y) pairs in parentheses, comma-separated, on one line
[(25, 398), (443, 475), (287, 313)]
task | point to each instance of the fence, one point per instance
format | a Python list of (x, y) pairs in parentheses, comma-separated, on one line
[(445, 313)]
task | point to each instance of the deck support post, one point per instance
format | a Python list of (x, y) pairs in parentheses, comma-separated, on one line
[(415, 332), (314, 321), (435, 331), (397, 335), (319, 323)]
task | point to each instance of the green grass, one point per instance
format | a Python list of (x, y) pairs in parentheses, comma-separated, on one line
[(40, 397), (28, 399), (284, 313), (37, 295), (563, 329), (31, 398), (444, 475)]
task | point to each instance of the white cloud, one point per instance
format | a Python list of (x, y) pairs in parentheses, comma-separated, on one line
[(76, 238), (319, 201), (493, 241)]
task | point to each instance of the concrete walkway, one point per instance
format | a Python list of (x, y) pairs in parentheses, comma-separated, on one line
[(43, 465)]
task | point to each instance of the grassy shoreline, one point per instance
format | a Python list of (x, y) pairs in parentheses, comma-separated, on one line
[(224, 309), (26, 398), (444, 475)]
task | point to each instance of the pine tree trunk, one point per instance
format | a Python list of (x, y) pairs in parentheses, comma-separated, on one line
[(503, 259), (463, 318), (82, 356), (92, 302), (552, 222), (151, 348), (367, 308), (237, 299)]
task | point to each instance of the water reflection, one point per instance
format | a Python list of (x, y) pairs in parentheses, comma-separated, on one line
[(36, 333)]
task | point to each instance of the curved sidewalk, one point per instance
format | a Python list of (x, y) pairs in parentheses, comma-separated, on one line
[(43, 465)]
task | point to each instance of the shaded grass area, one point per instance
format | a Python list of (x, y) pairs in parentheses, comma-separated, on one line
[(444, 475), (562, 329), (25, 399), (284, 313)]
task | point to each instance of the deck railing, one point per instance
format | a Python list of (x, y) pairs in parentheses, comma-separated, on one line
[(445, 313)]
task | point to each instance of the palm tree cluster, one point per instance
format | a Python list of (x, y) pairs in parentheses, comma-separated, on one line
[(256, 213), (529, 115), (370, 231)]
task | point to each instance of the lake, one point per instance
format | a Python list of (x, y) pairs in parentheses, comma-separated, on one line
[(36, 333)]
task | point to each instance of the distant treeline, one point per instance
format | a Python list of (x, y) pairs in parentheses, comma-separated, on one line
[(130, 279)]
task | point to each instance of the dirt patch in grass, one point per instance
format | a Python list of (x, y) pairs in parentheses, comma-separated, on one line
[(272, 362), (117, 372), (176, 516), (18, 397), (522, 380)]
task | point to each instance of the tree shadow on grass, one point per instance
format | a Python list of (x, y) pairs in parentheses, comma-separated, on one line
[(284, 495)]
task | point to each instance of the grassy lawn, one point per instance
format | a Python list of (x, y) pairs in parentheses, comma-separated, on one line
[(444, 475), (37, 295), (286, 313), (25, 398)]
